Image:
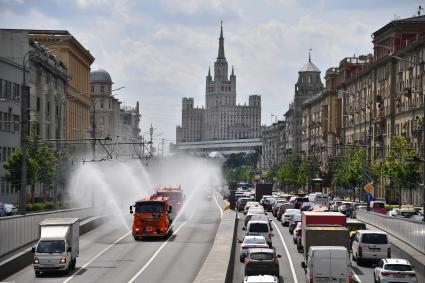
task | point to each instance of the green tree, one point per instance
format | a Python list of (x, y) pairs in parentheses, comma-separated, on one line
[(41, 164), (400, 165)]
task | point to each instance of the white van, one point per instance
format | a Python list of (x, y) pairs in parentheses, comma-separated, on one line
[(260, 228), (370, 245), (319, 198), (328, 264)]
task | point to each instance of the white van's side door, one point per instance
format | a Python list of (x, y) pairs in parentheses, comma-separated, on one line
[(355, 245)]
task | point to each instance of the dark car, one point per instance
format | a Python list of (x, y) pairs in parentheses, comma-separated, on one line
[(299, 201), (282, 210), (240, 204), (261, 261), (268, 203), (276, 205), (306, 206)]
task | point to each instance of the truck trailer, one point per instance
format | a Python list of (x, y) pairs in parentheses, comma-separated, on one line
[(58, 246), (322, 235)]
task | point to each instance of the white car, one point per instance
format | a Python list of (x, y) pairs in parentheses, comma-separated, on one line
[(297, 232), (370, 245), (261, 279), (287, 216), (394, 270), (250, 204), (250, 242)]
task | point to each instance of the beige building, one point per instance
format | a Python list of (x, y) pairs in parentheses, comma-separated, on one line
[(77, 60), (382, 96), (273, 145), (222, 119)]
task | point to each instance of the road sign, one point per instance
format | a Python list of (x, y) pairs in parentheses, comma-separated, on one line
[(368, 188), (368, 197)]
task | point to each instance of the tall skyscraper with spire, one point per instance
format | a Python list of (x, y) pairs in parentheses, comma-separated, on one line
[(222, 119)]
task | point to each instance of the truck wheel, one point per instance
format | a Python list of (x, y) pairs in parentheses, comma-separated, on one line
[(73, 263), (37, 273), (353, 257)]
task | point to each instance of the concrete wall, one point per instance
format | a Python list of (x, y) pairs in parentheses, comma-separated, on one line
[(18, 231)]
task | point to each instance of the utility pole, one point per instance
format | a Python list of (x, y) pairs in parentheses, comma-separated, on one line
[(24, 135), (93, 136), (151, 135), (162, 150)]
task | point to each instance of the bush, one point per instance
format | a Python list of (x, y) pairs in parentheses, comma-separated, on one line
[(39, 206)]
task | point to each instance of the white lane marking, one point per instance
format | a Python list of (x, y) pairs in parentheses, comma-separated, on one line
[(99, 254), (156, 253), (291, 265), (219, 207), (356, 276)]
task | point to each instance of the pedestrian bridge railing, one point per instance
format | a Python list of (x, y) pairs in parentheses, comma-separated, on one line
[(20, 230), (409, 231)]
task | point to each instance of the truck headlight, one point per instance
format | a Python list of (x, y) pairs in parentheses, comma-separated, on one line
[(36, 261), (63, 259)]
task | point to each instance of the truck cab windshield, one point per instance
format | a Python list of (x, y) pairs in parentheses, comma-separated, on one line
[(150, 207), (54, 246)]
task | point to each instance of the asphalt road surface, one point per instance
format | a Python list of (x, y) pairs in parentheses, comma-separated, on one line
[(110, 254), (290, 262)]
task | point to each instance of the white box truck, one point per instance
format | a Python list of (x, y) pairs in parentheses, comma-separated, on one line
[(58, 246)]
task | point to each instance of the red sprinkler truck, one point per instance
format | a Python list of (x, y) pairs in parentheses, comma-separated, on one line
[(152, 217), (175, 196)]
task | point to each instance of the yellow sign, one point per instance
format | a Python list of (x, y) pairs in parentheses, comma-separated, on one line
[(368, 188)]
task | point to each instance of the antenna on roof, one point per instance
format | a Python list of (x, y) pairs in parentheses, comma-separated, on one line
[(309, 55)]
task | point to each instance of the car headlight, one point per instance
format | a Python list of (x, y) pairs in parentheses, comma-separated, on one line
[(63, 259), (36, 261)]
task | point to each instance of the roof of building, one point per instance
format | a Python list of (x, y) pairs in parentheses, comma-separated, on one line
[(416, 19), (309, 67), (100, 76)]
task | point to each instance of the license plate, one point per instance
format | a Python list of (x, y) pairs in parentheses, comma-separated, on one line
[(375, 249), (398, 275), (322, 279)]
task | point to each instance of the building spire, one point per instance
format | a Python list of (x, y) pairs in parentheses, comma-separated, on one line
[(209, 71), (309, 55), (221, 44), (233, 70)]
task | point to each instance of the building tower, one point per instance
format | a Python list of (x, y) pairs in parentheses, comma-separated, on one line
[(308, 84), (221, 90)]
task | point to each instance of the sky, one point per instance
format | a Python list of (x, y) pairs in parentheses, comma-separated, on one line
[(160, 50)]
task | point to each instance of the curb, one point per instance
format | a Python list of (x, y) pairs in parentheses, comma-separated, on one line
[(219, 264), (24, 258)]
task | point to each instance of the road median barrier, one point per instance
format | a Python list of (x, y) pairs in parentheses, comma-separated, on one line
[(219, 264)]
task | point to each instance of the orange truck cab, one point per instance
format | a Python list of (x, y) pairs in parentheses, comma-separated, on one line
[(175, 196), (152, 217)]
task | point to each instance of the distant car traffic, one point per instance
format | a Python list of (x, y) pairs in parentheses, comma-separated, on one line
[(287, 216), (2, 209), (10, 209)]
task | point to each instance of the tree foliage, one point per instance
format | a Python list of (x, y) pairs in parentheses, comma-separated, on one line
[(400, 165), (41, 164)]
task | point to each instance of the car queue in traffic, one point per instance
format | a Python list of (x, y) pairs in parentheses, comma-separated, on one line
[(324, 230)]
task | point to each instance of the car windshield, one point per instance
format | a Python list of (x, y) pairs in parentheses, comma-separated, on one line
[(292, 211), (297, 217), (259, 227), (54, 246), (378, 205), (261, 256), (150, 207), (398, 267), (255, 210), (302, 199), (370, 238), (256, 240)]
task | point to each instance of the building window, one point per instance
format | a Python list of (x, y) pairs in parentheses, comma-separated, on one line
[(102, 90), (101, 104), (109, 104), (92, 89), (48, 107)]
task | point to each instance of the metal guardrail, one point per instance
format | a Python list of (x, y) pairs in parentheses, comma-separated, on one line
[(409, 231), (20, 230)]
